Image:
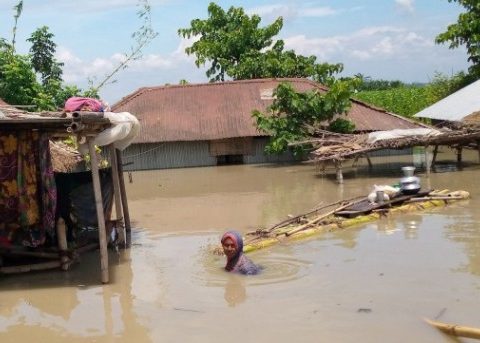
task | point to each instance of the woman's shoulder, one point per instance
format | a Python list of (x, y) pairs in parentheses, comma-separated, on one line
[(247, 267)]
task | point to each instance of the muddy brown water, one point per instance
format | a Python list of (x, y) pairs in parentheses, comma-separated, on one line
[(371, 283)]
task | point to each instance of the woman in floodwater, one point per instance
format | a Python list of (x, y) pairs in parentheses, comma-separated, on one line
[(237, 262)]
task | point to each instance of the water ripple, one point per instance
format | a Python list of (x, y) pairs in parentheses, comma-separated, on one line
[(276, 268)]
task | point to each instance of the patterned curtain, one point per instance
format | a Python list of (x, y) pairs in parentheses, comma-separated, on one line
[(27, 189)]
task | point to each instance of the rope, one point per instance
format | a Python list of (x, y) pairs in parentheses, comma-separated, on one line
[(144, 152)]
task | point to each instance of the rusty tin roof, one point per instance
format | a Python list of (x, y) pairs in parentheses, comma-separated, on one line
[(221, 110)]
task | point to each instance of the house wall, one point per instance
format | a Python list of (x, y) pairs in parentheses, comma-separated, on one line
[(190, 154), (199, 154)]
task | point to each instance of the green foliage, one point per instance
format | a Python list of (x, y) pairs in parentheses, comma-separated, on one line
[(42, 53), (294, 116), (237, 47), (407, 100), (227, 36), (442, 85), (277, 63), (18, 84), (341, 125), (466, 31), (368, 84)]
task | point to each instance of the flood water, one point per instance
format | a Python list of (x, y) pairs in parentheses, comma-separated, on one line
[(371, 283)]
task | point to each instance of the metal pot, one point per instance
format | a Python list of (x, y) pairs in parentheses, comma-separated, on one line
[(409, 184)]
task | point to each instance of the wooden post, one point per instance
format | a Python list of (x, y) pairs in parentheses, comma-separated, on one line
[(338, 168), (370, 165), (102, 234), (117, 193), (126, 214), (354, 164), (459, 155), (62, 243), (434, 158), (427, 161), (478, 149)]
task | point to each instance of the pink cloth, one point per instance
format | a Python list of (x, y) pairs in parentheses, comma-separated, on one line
[(83, 104)]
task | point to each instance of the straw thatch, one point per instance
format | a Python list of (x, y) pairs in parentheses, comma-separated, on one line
[(337, 147), (64, 158)]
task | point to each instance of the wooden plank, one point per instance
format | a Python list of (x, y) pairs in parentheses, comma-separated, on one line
[(117, 193), (126, 213), (102, 234)]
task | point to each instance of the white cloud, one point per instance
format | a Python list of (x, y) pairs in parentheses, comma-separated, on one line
[(321, 47), (406, 5), (273, 11), (367, 43), (316, 12), (290, 11), (79, 71)]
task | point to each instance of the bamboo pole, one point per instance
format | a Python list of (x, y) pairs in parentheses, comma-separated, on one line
[(39, 254), (317, 219), (459, 155), (427, 161), (30, 267), (478, 149), (102, 234), (338, 168), (435, 198), (88, 247), (455, 330), (117, 193), (370, 165), (435, 153), (126, 213), (62, 243)]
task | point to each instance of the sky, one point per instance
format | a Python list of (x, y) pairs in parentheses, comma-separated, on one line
[(381, 39)]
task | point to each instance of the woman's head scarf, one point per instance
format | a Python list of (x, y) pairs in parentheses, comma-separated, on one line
[(237, 239)]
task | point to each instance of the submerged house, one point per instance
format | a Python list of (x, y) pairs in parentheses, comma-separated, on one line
[(211, 124)]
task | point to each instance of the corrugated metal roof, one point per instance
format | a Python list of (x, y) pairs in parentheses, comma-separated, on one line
[(456, 106), (224, 110)]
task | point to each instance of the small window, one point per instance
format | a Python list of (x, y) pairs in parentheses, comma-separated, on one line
[(266, 94), (229, 159)]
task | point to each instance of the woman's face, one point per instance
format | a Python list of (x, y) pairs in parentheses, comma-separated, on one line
[(229, 247)]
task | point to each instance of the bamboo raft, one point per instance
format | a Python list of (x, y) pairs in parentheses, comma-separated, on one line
[(345, 214)]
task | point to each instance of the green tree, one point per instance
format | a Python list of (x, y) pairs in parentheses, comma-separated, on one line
[(18, 83), (278, 63), (226, 37), (236, 46), (466, 31), (42, 53), (295, 116)]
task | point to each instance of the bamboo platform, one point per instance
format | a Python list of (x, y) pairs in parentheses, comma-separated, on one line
[(345, 214)]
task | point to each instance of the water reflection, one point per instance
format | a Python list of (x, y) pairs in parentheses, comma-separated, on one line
[(411, 223), (235, 290), (387, 225)]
